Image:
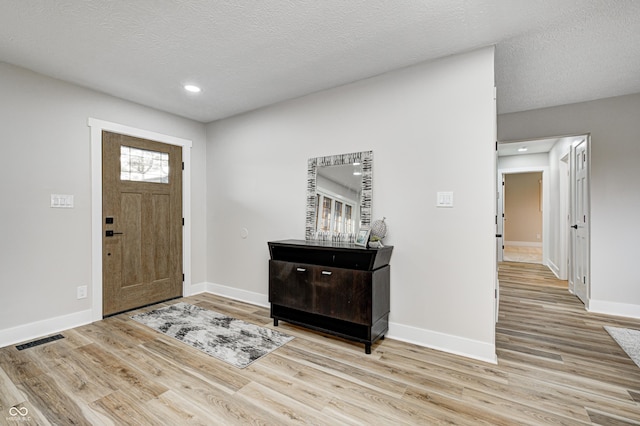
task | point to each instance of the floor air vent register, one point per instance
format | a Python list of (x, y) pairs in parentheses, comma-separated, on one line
[(39, 342)]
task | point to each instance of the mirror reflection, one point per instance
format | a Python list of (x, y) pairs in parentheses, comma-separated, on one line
[(338, 190), (338, 196)]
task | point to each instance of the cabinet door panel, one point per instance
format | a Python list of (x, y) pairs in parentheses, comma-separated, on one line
[(343, 294), (290, 284)]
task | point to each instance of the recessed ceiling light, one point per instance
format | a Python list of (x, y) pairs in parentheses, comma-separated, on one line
[(357, 173), (191, 88), (356, 163), (523, 149)]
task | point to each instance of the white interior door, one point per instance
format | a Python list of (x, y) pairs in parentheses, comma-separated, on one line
[(579, 194)]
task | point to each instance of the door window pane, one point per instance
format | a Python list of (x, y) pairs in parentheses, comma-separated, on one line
[(141, 165)]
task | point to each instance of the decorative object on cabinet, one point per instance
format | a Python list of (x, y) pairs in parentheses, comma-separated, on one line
[(362, 239), (336, 288), (339, 190), (378, 232)]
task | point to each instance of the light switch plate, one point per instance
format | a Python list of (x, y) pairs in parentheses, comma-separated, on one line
[(444, 199), (61, 201)]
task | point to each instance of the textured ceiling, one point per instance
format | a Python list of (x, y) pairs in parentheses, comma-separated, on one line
[(536, 146), (248, 54)]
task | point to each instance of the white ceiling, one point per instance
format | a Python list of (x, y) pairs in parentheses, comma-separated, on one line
[(248, 54), (536, 146)]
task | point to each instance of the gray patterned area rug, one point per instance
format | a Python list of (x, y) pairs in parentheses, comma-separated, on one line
[(628, 339), (230, 340)]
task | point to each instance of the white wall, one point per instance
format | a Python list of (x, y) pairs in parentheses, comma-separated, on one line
[(615, 179), (45, 253), (559, 209), (431, 128), (523, 209)]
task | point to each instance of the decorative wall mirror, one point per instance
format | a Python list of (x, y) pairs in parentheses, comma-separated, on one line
[(339, 189)]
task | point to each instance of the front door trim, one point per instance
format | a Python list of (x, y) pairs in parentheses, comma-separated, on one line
[(97, 126)]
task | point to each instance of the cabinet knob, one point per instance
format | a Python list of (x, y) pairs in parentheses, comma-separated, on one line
[(301, 269), (326, 272)]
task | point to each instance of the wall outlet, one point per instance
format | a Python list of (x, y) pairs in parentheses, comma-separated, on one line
[(82, 292)]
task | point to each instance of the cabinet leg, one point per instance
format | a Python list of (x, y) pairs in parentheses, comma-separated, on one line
[(275, 322), (367, 348)]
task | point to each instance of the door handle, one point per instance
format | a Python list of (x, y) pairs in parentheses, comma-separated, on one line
[(112, 233), (574, 226)]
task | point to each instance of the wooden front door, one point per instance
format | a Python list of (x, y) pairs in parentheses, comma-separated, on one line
[(141, 222)]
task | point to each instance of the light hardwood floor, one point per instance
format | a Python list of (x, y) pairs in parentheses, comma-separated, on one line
[(556, 365), (522, 254)]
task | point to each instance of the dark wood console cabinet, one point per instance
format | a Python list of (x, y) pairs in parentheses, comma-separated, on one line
[(339, 289)]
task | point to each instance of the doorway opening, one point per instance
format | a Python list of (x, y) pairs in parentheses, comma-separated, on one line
[(522, 217), (564, 165)]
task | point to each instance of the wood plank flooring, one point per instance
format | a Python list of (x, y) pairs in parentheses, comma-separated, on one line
[(556, 365), (530, 274)]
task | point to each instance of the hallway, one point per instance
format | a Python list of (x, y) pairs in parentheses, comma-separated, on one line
[(559, 354)]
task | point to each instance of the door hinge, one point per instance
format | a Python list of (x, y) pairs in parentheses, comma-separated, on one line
[(584, 280), (502, 247), (496, 145), (183, 165), (182, 277), (495, 293), (183, 221)]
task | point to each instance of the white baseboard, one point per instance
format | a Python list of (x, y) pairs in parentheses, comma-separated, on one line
[(195, 289), (554, 268), (38, 329), (427, 338), (522, 244), (444, 342), (238, 294), (614, 308), (35, 330)]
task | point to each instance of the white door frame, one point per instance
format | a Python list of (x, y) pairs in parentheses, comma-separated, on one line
[(545, 203), (97, 126)]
